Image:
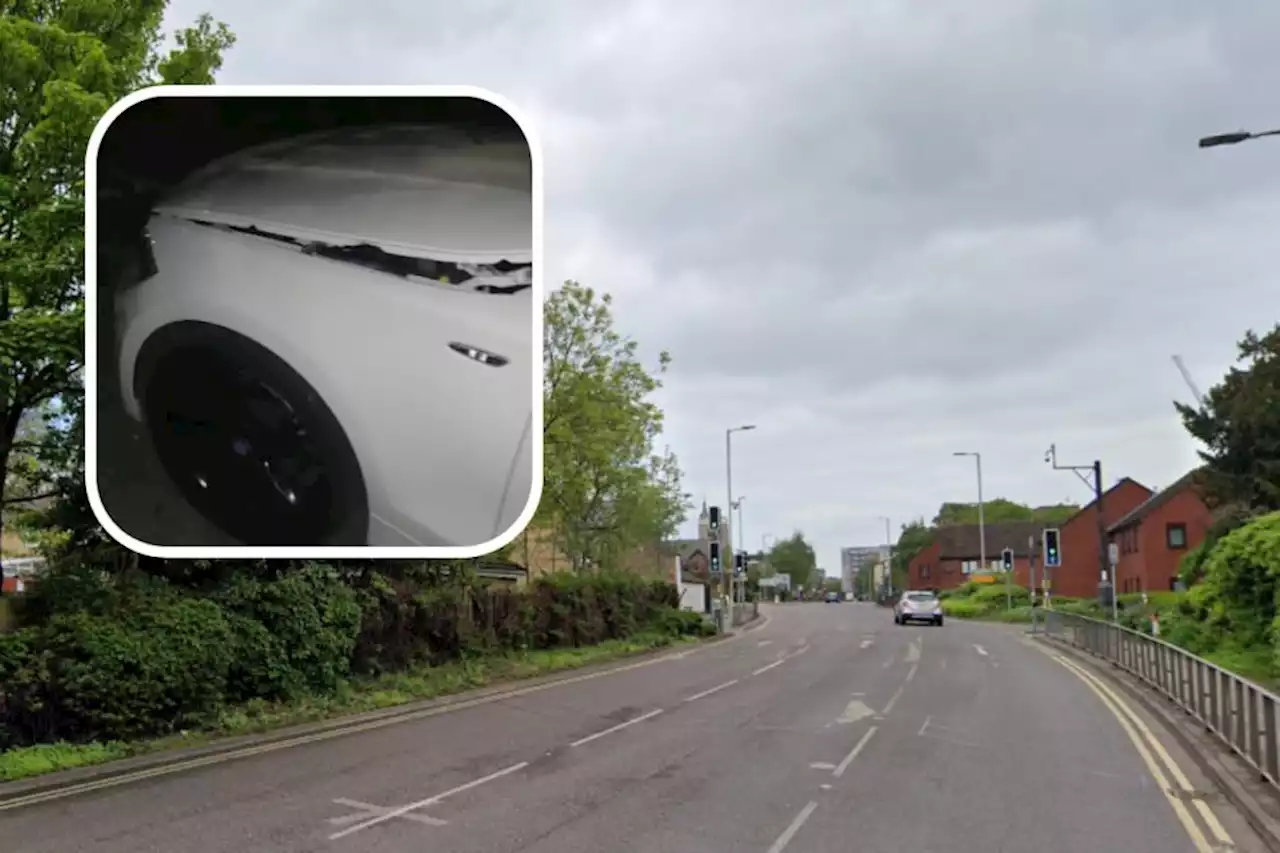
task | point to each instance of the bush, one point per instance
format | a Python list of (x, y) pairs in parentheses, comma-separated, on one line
[(154, 654), (963, 609), (92, 677)]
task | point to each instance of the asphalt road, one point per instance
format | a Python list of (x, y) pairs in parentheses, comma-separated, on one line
[(827, 729)]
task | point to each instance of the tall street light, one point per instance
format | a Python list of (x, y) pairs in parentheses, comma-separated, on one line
[(1234, 138), (982, 520), (887, 582), (728, 478)]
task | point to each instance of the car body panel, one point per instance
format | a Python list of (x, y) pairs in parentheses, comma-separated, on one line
[(440, 437)]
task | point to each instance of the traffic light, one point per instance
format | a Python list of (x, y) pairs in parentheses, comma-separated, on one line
[(1006, 558), (739, 562), (715, 558), (1052, 554), (713, 519)]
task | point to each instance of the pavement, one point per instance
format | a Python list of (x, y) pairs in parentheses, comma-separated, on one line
[(827, 729)]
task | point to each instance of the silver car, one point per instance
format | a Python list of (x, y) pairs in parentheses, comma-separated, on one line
[(918, 606)]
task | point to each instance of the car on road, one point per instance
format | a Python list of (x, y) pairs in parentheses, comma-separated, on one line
[(330, 339), (918, 606), (833, 598)]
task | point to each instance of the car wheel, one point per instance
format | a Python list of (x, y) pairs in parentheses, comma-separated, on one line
[(938, 622), (249, 443)]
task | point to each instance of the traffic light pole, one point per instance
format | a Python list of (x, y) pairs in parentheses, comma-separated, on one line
[(1104, 561)]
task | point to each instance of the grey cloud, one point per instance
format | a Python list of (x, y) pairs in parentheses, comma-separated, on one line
[(883, 231)]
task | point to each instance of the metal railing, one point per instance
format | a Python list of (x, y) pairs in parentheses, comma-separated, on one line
[(1241, 713)]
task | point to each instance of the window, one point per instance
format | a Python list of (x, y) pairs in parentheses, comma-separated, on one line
[(968, 567), (924, 572), (1175, 535)]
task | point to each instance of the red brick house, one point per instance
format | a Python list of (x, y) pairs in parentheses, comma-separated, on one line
[(1081, 568), (1154, 536), (954, 555)]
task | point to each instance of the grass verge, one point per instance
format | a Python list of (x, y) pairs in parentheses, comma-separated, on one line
[(357, 696)]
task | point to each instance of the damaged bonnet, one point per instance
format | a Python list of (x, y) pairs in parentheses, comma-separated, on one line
[(499, 277)]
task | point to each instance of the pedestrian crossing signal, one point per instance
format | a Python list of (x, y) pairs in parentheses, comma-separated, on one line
[(1052, 553)]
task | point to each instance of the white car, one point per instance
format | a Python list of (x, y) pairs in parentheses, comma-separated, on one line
[(918, 606), (332, 339)]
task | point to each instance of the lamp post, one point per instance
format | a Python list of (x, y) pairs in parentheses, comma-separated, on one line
[(728, 477), (982, 521), (1234, 138)]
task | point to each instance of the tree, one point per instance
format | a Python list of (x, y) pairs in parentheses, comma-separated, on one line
[(605, 490), (914, 538), (1002, 510), (794, 557), (1239, 427), (64, 65)]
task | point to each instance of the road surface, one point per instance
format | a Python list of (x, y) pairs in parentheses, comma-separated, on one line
[(827, 729)]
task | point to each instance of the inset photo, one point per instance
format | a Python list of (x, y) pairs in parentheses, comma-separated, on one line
[(314, 322)]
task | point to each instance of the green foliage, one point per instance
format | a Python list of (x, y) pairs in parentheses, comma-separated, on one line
[(605, 489), (118, 657), (64, 65), (913, 539), (1002, 510), (1240, 429), (794, 557)]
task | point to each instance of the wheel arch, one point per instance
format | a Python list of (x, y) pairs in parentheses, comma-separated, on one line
[(177, 335)]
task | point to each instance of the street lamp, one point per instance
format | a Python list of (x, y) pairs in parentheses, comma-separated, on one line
[(887, 583), (982, 520), (728, 477), (1234, 138)]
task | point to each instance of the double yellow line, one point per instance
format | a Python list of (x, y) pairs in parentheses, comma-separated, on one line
[(1150, 748)]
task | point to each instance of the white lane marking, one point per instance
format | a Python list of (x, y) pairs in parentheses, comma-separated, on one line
[(764, 643), (706, 693), (913, 651), (911, 673), (853, 753), (768, 667), (980, 650), (787, 834), (429, 801), (619, 727), (886, 664), (369, 810), (825, 786), (927, 721), (854, 711), (822, 765), (859, 693), (893, 700), (866, 644)]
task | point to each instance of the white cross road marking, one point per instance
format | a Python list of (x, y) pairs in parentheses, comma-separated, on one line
[(822, 765), (866, 644), (368, 810), (980, 650)]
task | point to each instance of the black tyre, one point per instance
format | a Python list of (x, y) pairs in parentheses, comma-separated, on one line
[(938, 622), (248, 442)]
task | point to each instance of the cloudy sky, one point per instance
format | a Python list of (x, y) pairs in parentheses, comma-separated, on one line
[(881, 231)]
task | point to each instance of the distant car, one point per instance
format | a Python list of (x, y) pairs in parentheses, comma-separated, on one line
[(331, 339), (918, 606), (833, 597)]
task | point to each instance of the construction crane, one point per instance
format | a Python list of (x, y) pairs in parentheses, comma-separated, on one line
[(1186, 377)]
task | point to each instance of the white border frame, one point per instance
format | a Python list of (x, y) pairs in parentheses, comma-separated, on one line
[(200, 552)]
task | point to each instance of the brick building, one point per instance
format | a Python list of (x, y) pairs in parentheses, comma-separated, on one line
[(955, 554), (1078, 541), (1156, 534)]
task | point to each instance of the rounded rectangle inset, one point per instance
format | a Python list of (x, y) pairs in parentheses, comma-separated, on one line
[(313, 322)]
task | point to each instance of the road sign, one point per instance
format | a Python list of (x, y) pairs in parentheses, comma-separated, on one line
[(1113, 554)]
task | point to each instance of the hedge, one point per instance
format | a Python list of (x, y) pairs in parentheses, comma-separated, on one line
[(162, 659)]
